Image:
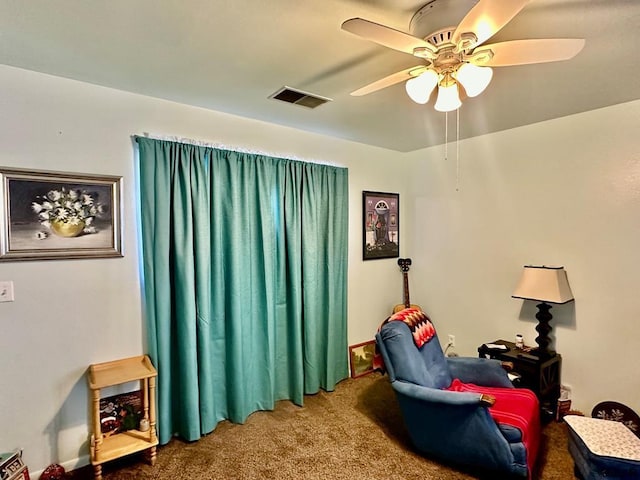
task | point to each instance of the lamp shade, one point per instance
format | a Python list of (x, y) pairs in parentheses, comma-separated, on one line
[(419, 88), (544, 284), (473, 78), (448, 98)]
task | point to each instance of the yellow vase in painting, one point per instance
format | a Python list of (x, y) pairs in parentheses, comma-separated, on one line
[(65, 229)]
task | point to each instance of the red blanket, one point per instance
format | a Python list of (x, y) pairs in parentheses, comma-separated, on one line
[(517, 407)]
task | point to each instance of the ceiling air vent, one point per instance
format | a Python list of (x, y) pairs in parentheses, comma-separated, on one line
[(298, 97)]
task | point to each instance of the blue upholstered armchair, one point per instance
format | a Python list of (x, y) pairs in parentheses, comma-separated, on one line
[(459, 409)]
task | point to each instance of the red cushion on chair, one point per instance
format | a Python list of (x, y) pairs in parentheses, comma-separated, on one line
[(517, 407)]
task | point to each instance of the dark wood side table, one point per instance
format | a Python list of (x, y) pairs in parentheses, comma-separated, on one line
[(540, 374)]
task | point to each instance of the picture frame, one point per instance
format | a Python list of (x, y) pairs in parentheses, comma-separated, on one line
[(47, 215), (121, 412), (361, 357), (381, 225)]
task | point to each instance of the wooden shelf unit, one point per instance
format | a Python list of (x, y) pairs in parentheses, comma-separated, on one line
[(106, 448)]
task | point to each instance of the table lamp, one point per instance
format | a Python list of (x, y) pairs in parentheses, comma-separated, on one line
[(546, 285)]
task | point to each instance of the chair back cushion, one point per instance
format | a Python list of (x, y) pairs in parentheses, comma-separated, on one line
[(406, 361), (419, 323)]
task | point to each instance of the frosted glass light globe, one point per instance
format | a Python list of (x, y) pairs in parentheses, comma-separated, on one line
[(419, 88)]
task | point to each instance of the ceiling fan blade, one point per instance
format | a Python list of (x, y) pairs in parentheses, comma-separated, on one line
[(523, 52), (390, 80), (386, 36), (485, 19)]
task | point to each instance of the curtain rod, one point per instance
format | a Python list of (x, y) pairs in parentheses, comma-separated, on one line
[(221, 146)]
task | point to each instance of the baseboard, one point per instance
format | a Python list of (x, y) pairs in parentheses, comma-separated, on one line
[(68, 466)]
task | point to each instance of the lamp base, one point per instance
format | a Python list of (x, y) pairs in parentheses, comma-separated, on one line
[(542, 354), (543, 328)]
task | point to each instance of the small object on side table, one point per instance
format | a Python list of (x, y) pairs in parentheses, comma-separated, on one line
[(519, 341), (144, 425), (496, 346)]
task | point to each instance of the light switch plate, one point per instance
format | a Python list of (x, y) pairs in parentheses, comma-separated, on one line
[(6, 291)]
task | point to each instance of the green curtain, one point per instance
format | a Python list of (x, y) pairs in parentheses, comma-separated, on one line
[(245, 281)]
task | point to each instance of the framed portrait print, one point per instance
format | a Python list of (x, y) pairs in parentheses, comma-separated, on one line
[(56, 215), (381, 225)]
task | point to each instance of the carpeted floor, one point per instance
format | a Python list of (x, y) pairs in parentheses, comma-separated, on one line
[(355, 432)]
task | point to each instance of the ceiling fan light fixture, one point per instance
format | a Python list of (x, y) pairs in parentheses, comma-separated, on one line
[(419, 88), (448, 97), (473, 78)]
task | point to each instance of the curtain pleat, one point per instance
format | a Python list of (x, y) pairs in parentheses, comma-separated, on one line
[(245, 280)]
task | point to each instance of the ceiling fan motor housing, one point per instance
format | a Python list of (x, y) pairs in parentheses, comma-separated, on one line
[(427, 23), (436, 21)]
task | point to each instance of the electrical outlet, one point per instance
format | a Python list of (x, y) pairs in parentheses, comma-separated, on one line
[(6, 291), (452, 340)]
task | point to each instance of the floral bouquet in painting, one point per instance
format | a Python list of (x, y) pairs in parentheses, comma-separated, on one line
[(67, 212)]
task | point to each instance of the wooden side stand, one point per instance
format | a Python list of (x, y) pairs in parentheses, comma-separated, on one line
[(106, 448), (538, 373)]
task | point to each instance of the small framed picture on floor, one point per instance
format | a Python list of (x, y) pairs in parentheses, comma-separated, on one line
[(361, 358)]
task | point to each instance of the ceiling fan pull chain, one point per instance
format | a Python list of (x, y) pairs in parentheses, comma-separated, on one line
[(457, 150), (446, 135)]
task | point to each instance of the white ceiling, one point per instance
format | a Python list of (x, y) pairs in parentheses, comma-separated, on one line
[(231, 55)]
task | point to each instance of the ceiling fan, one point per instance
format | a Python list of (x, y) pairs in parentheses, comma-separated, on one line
[(456, 56)]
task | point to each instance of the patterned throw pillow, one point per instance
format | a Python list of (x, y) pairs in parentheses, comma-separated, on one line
[(419, 323)]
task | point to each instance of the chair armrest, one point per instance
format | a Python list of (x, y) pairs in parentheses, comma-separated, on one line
[(481, 371), (453, 425), (438, 397)]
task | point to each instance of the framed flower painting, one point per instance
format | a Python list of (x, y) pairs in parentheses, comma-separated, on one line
[(56, 215)]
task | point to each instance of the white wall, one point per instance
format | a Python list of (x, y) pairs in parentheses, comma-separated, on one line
[(68, 314), (563, 192)]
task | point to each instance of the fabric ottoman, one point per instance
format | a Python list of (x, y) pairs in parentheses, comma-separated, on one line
[(603, 449)]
